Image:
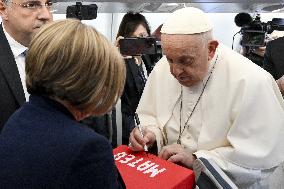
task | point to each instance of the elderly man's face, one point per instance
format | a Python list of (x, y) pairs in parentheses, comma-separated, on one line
[(188, 58), (23, 17)]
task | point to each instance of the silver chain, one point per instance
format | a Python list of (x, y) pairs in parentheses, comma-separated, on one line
[(191, 113)]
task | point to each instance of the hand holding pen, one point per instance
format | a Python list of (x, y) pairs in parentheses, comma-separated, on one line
[(139, 139), (140, 129)]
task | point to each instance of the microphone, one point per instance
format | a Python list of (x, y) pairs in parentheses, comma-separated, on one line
[(243, 19)]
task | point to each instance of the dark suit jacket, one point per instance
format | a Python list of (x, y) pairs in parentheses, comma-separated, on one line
[(133, 90), (134, 85), (11, 90), (274, 58), (104, 125), (42, 146)]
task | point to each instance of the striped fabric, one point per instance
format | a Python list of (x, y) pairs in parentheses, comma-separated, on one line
[(208, 175)]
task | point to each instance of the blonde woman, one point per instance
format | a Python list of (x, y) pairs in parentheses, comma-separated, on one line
[(72, 72)]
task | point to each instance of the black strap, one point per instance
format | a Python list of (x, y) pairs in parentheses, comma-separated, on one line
[(141, 74)]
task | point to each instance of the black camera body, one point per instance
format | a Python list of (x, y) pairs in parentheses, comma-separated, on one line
[(82, 12), (254, 31)]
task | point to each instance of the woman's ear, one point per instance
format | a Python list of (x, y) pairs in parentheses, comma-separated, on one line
[(212, 46)]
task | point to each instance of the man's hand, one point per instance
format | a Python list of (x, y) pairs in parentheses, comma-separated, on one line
[(176, 153), (260, 51), (137, 142)]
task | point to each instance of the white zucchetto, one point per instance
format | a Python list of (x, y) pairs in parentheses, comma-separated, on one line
[(187, 20)]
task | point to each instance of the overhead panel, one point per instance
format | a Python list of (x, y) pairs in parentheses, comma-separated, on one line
[(161, 6)]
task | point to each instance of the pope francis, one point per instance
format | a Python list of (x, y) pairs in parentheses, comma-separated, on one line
[(204, 100)]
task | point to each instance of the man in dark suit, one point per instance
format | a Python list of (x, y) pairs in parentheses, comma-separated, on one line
[(274, 61), (20, 19)]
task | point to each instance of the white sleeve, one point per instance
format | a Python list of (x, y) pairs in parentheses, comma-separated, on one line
[(255, 140), (241, 176), (157, 100)]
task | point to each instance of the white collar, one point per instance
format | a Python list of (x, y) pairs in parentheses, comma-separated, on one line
[(212, 63), (15, 46)]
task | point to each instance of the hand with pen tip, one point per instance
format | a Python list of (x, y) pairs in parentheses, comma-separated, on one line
[(137, 142)]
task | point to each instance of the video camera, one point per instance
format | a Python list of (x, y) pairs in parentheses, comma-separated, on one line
[(254, 31), (82, 12)]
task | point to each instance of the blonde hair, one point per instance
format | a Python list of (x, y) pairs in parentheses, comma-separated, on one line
[(75, 63)]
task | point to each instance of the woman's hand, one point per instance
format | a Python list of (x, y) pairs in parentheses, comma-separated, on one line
[(116, 43)]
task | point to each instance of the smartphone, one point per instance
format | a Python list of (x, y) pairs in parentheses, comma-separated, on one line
[(137, 46)]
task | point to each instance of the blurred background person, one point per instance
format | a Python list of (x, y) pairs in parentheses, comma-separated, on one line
[(253, 37), (138, 68), (268, 63), (157, 34), (78, 73), (20, 20), (274, 61), (255, 54)]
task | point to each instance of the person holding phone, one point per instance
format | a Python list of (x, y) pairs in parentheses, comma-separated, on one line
[(138, 68)]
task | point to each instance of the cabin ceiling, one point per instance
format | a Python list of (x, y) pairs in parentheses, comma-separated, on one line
[(167, 6)]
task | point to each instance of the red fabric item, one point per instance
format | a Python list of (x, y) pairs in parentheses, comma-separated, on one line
[(143, 170)]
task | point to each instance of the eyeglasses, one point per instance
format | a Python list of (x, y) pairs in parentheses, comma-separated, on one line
[(140, 35), (34, 5)]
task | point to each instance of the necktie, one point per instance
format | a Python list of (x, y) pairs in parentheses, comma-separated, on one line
[(25, 52)]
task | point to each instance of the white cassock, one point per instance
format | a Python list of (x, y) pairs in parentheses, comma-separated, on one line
[(238, 122)]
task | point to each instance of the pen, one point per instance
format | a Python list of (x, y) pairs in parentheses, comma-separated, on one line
[(140, 129)]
